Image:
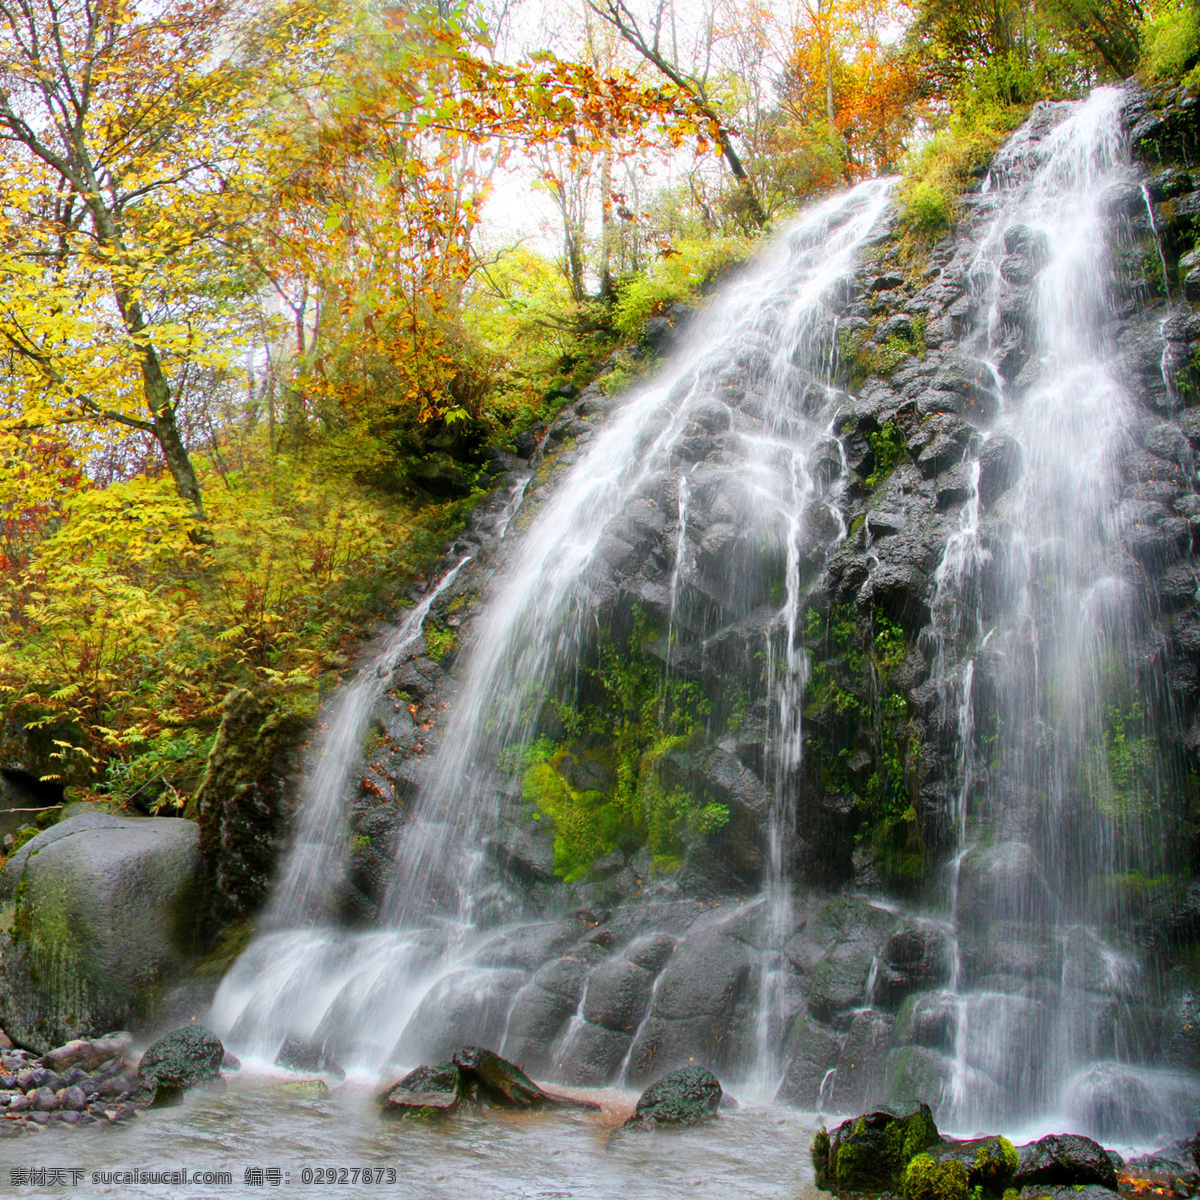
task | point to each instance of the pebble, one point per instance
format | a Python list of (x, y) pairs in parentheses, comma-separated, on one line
[(93, 1087)]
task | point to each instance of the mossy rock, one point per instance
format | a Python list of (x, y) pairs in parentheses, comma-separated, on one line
[(819, 1151), (240, 805), (684, 1097), (990, 1162), (870, 1154), (99, 913), (183, 1059), (925, 1178)]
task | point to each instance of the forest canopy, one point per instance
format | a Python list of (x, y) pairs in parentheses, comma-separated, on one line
[(263, 305)]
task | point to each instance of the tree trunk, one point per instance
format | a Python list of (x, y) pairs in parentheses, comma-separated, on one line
[(606, 224), (155, 387), (827, 55), (739, 173)]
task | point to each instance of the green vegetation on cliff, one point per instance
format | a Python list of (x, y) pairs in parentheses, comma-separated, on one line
[(630, 721), (866, 748)]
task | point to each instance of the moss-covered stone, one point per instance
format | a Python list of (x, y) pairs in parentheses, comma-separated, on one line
[(684, 1097), (871, 1153), (927, 1179), (820, 1157), (99, 916), (304, 1089), (183, 1059), (990, 1162)]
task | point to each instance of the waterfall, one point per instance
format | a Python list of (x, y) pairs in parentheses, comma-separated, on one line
[(773, 332), (965, 522), (1034, 625)]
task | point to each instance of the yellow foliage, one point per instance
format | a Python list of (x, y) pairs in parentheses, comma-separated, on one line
[(119, 628)]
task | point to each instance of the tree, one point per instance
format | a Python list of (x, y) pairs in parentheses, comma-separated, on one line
[(692, 84), (379, 162), (115, 121), (841, 73)]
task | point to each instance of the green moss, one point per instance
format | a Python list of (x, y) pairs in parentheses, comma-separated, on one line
[(631, 721), (1153, 273), (439, 641), (857, 1167), (926, 1179), (1012, 1160), (820, 1158), (25, 834), (304, 1089), (359, 842), (908, 1136), (888, 448), (231, 943), (865, 357), (868, 747), (995, 1164)]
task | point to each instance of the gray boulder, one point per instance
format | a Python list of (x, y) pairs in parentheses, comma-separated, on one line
[(684, 1097), (183, 1059), (96, 914)]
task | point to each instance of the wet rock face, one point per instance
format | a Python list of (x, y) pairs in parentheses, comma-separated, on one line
[(240, 806), (1064, 1160), (304, 1055), (474, 1076), (912, 434)]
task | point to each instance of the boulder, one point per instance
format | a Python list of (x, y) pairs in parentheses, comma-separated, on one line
[(1065, 1160), (1001, 461), (474, 1076), (813, 1054), (684, 1097), (929, 1178), (495, 1081), (917, 958), (871, 1153), (1177, 1160), (425, 1092), (178, 1062), (100, 910), (989, 1162), (304, 1055)]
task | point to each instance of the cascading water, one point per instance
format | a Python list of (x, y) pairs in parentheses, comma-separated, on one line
[(1036, 663), (386, 994), (644, 644)]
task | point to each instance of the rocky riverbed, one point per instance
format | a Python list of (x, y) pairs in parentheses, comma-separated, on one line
[(264, 1126)]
